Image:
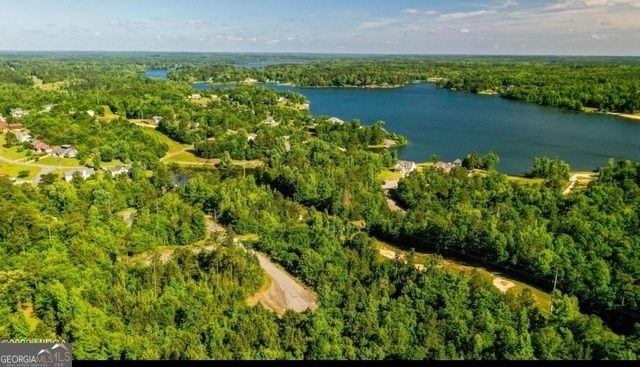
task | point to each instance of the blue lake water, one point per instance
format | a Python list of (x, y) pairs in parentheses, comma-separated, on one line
[(156, 74), (453, 124)]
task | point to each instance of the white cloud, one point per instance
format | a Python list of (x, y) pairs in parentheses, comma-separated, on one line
[(273, 42), (290, 38), (97, 34), (378, 23), (431, 12), (464, 30), (158, 37), (391, 42), (195, 21), (114, 22), (254, 39), (234, 39), (509, 3), (495, 46), (599, 37), (460, 15), (576, 4), (410, 11)]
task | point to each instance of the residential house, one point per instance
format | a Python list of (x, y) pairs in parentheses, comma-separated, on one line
[(336, 120), (405, 167), (4, 126), (444, 167), (283, 100), (84, 173), (195, 96), (65, 151), (1, 118), (41, 147), (91, 113), (48, 107), (251, 137), (271, 122), (118, 170), (18, 112), (16, 126), (23, 138), (457, 162), (156, 119)]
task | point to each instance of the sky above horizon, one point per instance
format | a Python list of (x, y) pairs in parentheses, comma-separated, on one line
[(514, 27)]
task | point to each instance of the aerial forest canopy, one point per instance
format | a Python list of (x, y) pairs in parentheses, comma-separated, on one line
[(160, 262)]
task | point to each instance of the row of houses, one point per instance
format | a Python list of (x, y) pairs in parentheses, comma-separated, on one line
[(64, 151), (85, 173)]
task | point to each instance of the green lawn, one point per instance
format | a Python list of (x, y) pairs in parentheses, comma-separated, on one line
[(388, 174), (11, 153), (59, 162), (174, 146), (12, 170), (188, 157)]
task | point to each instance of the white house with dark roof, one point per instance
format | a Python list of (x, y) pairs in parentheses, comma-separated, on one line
[(118, 170), (405, 167), (84, 173), (156, 119)]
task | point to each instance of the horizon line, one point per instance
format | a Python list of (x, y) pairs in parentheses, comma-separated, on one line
[(307, 53)]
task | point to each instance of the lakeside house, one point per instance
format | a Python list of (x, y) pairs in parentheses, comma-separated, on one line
[(23, 137), (336, 120), (251, 137), (447, 167), (405, 167), (84, 173), (283, 100), (156, 119), (41, 147), (65, 151), (117, 170), (18, 112), (91, 113), (195, 96)]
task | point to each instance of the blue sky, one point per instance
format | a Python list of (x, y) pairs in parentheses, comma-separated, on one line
[(563, 27)]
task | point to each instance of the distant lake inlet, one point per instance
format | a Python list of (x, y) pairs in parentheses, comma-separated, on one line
[(453, 124)]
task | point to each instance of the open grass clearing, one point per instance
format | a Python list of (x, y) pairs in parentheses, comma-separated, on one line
[(388, 174), (174, 146), (11, 153), (12, 170)]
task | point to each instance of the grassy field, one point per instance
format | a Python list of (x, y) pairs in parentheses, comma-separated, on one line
[(388, 174), (11, 153), (421, 166), (188, 157), (12, 170), (174, 146), (59, 162), (542, 299), (108, 114)]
